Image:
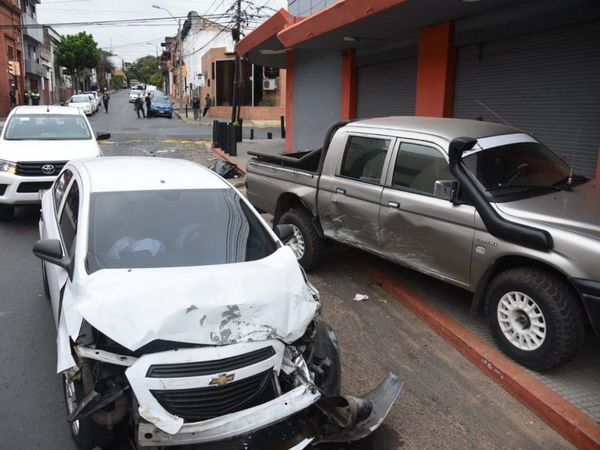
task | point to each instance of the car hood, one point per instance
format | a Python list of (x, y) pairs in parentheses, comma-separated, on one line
[(576, 210), (210, 305), (24, 151)]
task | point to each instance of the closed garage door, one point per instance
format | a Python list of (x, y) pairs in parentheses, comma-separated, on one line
[(547, 83), (387, 88)]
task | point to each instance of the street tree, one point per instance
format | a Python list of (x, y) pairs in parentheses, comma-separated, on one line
[(77, 52), (146, 69)]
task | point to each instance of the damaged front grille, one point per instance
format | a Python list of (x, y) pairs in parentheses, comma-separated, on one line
[(194, 369), (194, 405)]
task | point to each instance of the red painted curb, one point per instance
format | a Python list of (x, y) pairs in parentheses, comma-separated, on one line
[(221, 154), (557, 412)]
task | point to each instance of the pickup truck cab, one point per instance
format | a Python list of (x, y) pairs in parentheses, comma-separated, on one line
[(480, 205)]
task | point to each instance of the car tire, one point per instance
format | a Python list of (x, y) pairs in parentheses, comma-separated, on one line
[(7, 213), (86, 433), (306, 243), (45, 281), (170, 116), (536, 317)]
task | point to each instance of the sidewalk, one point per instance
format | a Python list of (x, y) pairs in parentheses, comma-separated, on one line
[(275, 146), (208, 121)]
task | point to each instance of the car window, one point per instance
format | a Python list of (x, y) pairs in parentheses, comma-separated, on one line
[(68, 218), (47, 127), (174, 228), (80, 99), (364, 157), (60, 185), (418, 167)]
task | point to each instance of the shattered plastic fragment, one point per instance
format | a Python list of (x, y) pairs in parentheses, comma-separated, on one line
[(360, 297)]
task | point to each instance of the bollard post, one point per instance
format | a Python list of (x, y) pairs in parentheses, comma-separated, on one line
[(282, 125), (251, 134), (233, 140), (215, 137), (269, 135), (186, 111)]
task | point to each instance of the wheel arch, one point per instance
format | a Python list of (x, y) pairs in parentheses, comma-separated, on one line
[(287, 201)]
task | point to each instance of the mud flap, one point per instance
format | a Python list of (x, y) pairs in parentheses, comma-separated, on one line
[(352, 418)]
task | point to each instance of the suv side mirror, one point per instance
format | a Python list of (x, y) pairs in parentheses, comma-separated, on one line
[(284, 232), (446, 190), (50, 250), (102, 135)]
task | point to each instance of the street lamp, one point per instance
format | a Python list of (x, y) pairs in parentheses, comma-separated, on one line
[(179, 46)]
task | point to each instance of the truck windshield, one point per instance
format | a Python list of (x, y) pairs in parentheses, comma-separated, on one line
[(174, 228), (45, 127), (516, 167)]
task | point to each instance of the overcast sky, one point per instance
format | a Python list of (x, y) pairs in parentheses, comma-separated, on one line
[(134, 40)]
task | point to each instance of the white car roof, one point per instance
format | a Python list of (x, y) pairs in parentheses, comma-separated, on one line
[(46, 109), (131, 173)]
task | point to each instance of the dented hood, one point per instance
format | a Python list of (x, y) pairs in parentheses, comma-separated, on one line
[(212, 305)]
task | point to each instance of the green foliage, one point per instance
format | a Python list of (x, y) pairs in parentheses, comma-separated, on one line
[(266, 101), (77, 52), (117, 82), (144, 69), (156, 79)]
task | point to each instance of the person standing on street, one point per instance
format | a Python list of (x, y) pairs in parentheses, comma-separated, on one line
[(207, 104), (105, 100), (139, 106), (148, 103), (13, 98), (196, 106)]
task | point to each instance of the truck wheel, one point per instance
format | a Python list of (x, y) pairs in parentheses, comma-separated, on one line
[(85, 432), (535, 317), (45, 280), (7, 213), (306, 243)]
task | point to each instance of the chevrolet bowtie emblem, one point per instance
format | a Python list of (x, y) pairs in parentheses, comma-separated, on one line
[(222, 379)]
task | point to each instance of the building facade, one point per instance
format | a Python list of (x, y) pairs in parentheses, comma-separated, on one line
[(33, 42), (11, 78), (532, 64)]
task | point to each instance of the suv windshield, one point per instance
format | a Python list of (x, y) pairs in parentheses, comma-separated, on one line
[(517, 167), (32, 127), (173, 228)]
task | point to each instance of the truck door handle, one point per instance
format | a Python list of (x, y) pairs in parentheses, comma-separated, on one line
[(340, 191), (394, 205)]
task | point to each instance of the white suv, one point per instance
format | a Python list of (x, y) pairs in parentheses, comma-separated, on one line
[(36, 142)]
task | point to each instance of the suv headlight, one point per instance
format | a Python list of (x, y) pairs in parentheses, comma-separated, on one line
[(8, 166)]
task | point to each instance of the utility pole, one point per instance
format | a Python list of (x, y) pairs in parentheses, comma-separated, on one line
[(236, 68), (180, 49)]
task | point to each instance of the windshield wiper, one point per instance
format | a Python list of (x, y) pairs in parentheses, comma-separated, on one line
[(523, 186)]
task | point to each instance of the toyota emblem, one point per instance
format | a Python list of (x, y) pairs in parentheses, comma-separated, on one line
[(48, 169)]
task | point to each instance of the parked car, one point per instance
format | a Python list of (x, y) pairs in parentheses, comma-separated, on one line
[(134, 93), (160, 106), (35, 144), (504, 218), (83, 102), (95, 100), (139, 261)]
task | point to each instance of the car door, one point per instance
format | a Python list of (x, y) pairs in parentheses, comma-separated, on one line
[(430, 234), (350, 193), (64, 228)]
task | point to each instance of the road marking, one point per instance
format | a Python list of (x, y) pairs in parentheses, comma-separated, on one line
[(166, 141)]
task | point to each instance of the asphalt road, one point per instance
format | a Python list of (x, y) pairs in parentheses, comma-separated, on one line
[(446, 402)]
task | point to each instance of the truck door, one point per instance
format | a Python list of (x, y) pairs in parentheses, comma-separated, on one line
[(419, 230), (350, 190)]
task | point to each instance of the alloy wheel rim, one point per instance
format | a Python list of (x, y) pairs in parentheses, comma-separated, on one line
[(71, 399), (297, 242), (521, 321)]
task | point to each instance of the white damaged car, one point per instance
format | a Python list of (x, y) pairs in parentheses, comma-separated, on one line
[(182, 316)]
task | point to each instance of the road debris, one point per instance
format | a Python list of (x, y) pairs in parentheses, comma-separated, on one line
[(360, 297)]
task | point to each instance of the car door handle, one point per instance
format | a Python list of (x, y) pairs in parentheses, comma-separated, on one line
[(340, 191), (394, 205)]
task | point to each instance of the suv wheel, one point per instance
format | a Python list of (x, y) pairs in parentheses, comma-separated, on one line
[(7, 213), (306, 243), (536, 318)]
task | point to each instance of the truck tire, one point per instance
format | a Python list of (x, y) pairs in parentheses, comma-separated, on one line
[(85, 432), (536, 318), (306, 243), (7, 213)]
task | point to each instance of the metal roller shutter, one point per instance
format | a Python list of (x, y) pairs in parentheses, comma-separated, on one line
[(546, 83), (387, 88)]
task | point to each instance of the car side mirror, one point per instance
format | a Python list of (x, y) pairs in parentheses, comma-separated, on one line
[(446, 190), (284, 232), (50, 250), (102, 135)]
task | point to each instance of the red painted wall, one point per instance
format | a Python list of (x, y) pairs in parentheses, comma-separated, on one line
[(349, 78)]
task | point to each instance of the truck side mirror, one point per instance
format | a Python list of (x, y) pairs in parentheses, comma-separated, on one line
[(446, 190)]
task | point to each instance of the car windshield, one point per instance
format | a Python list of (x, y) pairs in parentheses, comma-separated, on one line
[(80, 99), (45, 127), (516, 167), (161, 100), (174, 228)]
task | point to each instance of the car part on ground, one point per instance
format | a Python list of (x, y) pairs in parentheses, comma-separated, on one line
[(226, 169)]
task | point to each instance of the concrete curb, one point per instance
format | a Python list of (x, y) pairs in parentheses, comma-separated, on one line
[(561, 415)]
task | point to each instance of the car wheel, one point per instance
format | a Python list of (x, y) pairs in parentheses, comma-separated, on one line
[(306, 243), (536, 317), (7, 213), (85, 432), (45, 281)]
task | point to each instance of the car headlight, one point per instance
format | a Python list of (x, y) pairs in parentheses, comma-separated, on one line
[(8, 166)]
